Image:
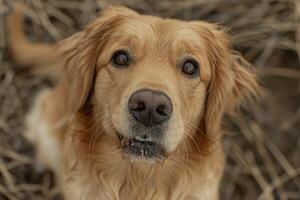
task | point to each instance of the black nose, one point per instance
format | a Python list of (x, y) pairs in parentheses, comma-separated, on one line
[(150, 107)]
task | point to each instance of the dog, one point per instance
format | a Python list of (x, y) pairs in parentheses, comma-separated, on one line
[(137, 107)]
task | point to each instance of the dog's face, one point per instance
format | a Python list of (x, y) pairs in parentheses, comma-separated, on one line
[(156, 83), (153, 79)]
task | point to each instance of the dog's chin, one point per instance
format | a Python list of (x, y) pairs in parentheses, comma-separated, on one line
[(137, 150)]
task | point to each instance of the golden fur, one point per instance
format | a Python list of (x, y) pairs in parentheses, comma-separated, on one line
[(82, 114)]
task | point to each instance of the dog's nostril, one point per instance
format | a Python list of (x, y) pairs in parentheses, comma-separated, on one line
[(137, 106), (161, 110)]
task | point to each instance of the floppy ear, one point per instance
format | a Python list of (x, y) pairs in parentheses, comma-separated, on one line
[(79, 53), (228, 90), (232, 80)]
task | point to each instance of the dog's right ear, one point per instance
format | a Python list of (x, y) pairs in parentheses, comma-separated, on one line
[(79, 53), (232, 79)]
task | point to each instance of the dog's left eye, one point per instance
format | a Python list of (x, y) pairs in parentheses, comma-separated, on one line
[(120, 58), (190, 67)]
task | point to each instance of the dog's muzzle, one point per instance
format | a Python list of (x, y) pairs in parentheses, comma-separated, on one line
[(149, 112)]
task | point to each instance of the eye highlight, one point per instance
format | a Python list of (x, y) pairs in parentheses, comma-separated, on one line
[(120, 59), (190, 67)]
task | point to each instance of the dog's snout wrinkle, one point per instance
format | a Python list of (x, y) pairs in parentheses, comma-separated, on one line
[(150, 107)]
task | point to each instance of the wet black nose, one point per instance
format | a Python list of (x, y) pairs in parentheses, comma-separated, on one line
[(150, 107)]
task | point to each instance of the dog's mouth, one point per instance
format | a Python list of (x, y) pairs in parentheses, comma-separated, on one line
[(141, 149)]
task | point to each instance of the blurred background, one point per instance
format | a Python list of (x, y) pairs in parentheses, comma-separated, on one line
[(262, 144)]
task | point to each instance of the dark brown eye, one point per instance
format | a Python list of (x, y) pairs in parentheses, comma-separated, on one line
[(120, 58), (190, 67)]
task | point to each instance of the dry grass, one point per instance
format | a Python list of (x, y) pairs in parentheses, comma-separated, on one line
[(262, 146)]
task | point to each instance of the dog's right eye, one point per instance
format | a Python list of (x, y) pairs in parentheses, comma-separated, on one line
[(120, 58), (190, 67)]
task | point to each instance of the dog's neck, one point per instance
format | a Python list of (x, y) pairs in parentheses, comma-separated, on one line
[(99, 160)]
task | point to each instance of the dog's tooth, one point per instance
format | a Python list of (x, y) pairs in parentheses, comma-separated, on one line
[(142, 151)]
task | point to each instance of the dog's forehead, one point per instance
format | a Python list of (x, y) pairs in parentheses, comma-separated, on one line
[(150, 28), (160, 34)]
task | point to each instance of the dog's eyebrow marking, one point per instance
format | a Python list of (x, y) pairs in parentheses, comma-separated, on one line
[(182, 48)]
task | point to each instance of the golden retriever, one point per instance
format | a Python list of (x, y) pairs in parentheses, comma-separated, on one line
[(137, 111)]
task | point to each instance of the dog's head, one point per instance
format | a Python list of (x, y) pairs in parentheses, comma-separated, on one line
[(153, 84)]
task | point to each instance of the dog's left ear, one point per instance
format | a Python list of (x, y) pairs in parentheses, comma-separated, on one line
[(232, 79), (79, 54)]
